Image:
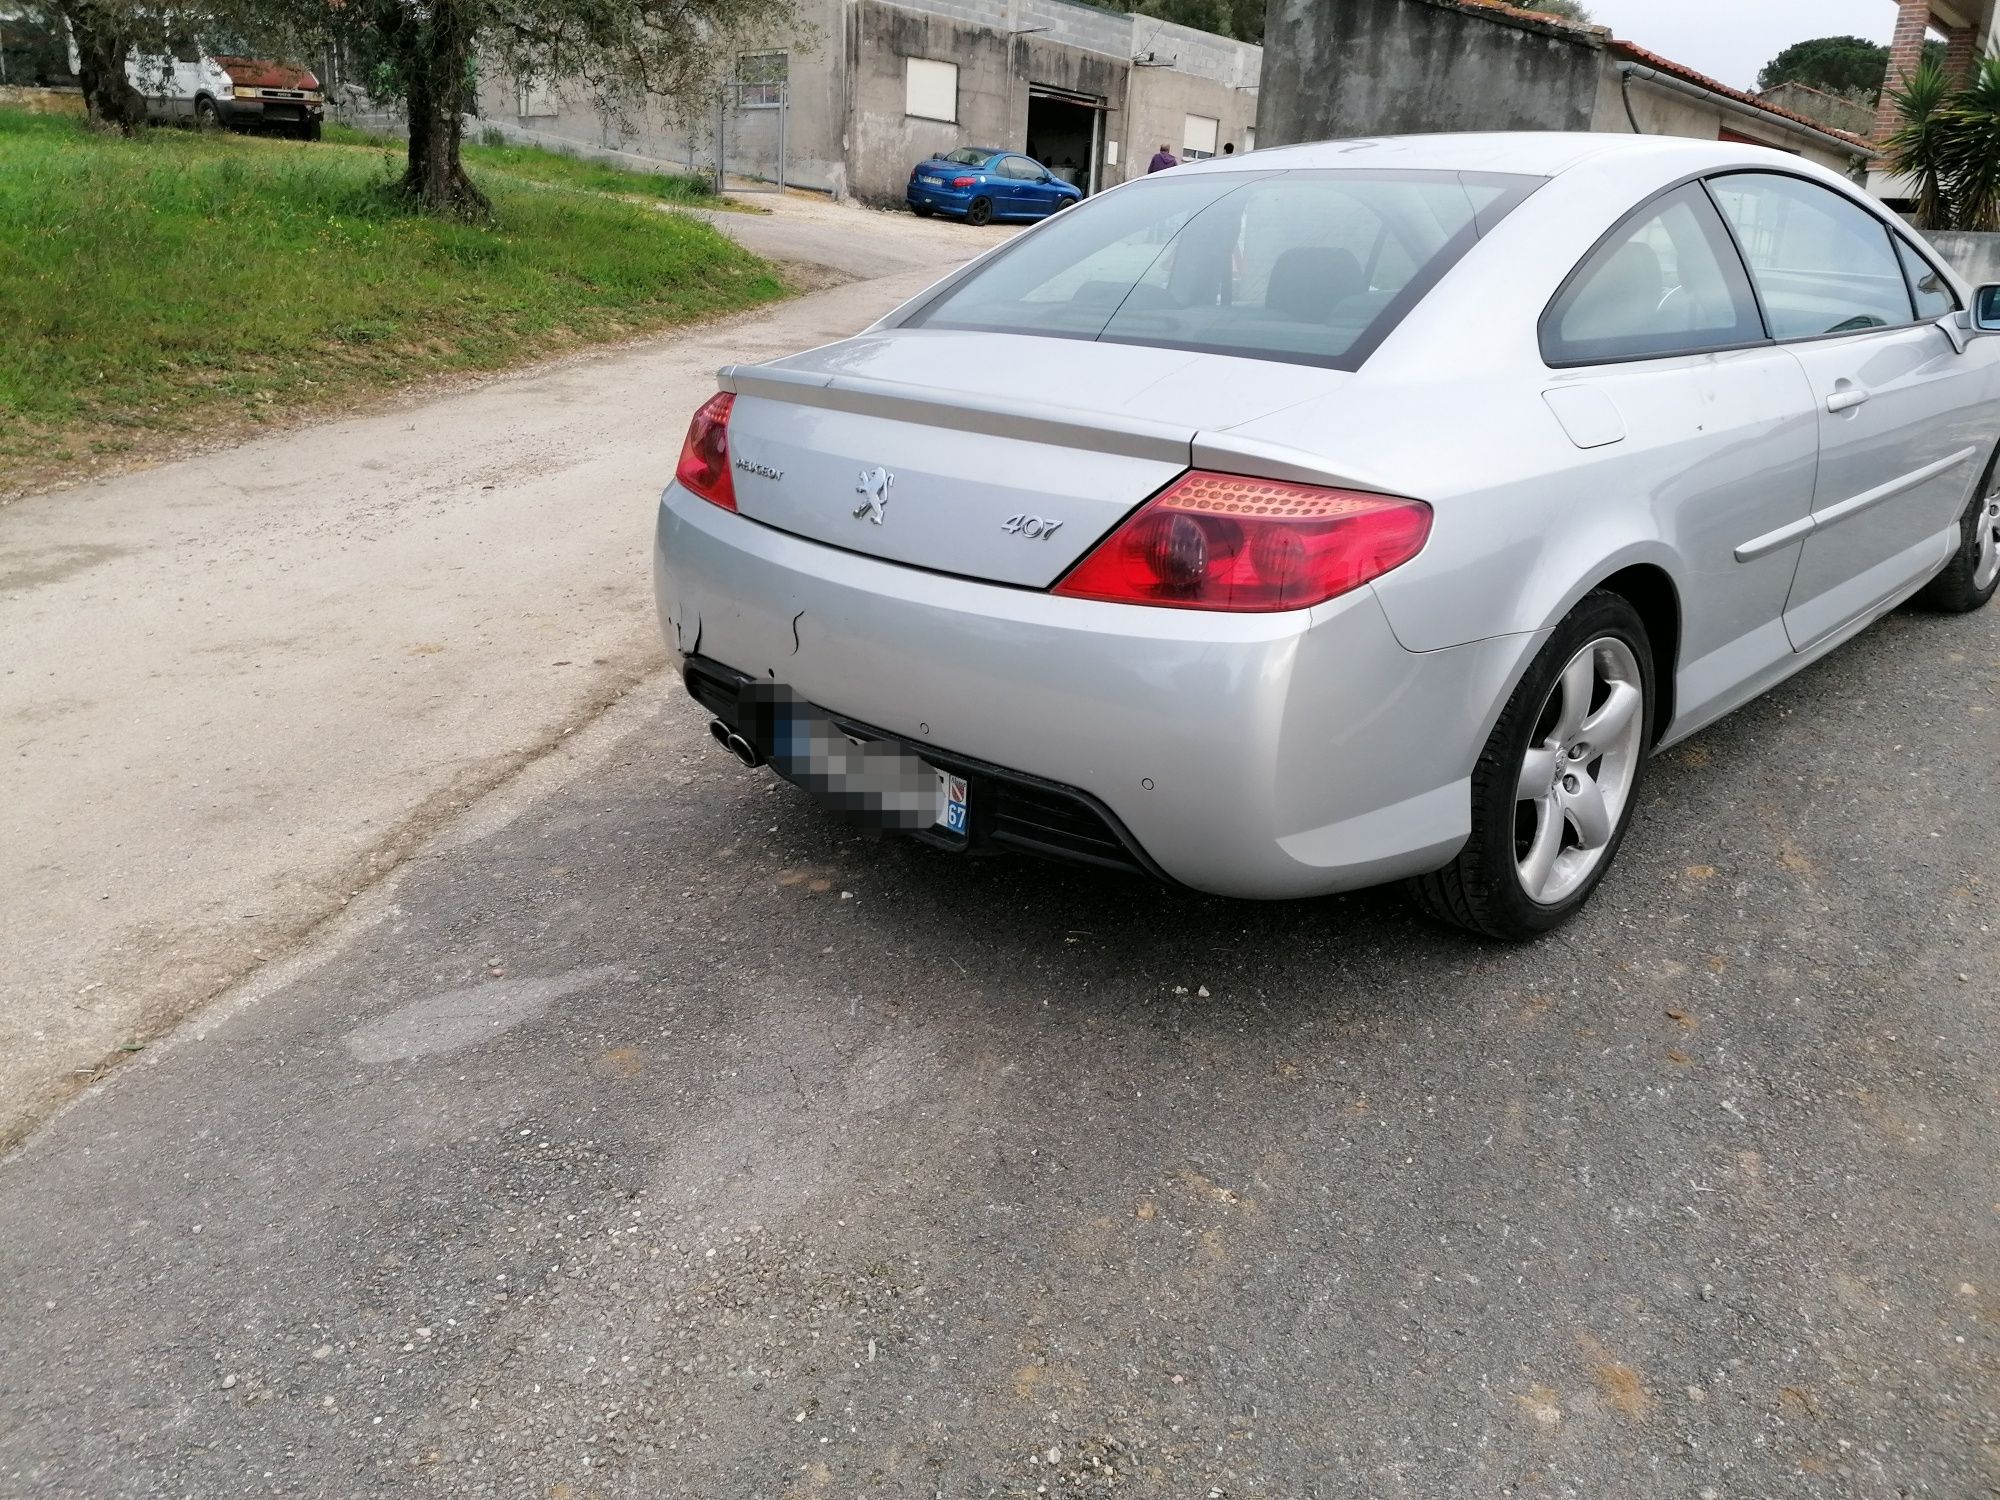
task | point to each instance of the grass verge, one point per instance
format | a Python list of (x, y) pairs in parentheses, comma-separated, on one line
[(192, 283), (534, 164)]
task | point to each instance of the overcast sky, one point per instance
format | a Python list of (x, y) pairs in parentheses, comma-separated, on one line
[(1732, 39)]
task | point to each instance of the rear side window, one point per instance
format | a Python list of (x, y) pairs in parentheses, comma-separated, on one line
[(1929, 290), (1822, 264), (1665, 282), (1313, 267)]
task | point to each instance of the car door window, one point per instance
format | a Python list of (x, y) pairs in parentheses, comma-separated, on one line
[(1822, 263), (1665, 282), (1020, 169), (1928, 288)]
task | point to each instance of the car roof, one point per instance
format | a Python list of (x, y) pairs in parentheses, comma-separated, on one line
[(1538, 153)]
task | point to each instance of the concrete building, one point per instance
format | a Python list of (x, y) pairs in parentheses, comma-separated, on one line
[(875, 87), (1380, 67), (1849, 116)]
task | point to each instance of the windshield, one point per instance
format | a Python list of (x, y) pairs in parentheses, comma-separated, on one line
[(970, 156), (1314, 267)]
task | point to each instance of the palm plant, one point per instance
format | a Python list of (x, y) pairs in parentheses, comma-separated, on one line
[(1970, 150), (1920, 148)]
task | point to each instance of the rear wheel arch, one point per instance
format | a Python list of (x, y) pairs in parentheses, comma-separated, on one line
[(1650, 590)]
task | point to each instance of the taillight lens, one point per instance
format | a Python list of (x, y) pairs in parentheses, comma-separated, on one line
[(704, 465), (963, 181), (1223, 541)]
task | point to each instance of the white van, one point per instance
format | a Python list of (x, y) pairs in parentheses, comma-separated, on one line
[(225, 87)]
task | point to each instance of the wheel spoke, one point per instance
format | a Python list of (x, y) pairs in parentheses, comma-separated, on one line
[(1588, 812), (1603, 729), (1538, 770), (1541, 856), (1986, 562), (1578, 679)]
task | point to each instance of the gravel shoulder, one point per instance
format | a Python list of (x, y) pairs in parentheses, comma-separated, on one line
[(241, 686)]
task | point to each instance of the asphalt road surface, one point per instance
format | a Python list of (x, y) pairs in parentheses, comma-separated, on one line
[(652, 1134)]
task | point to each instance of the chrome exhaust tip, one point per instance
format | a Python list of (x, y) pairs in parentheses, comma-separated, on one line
[(735, 744)]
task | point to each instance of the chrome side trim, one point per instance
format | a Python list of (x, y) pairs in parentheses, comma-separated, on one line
[(1853, 506), (1771, 541)]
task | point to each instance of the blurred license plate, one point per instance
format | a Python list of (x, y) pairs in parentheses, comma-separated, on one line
[(932, 181), (875, 780)]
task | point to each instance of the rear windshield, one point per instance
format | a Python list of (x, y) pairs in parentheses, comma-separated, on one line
[(1313, 267), (969, 156)]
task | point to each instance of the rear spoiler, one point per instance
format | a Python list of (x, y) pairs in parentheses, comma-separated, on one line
[(1104, 432), (1128, 437)]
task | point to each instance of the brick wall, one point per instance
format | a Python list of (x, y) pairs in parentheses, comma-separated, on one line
[(1906, 50), (1961, 53)]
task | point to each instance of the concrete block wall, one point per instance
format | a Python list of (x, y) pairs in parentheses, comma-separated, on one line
[(1976, 257), (882, 141), (1342, 68)]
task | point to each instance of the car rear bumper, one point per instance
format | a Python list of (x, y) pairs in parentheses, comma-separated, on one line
[(942, 200), (1261, 756)]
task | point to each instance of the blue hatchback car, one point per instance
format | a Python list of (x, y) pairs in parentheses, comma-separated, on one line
[(980, 184)]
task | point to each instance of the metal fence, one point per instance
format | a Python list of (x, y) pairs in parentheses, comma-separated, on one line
[(750, 119)]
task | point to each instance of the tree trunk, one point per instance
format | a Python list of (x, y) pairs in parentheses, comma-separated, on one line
[(101, 45), (440, 85)]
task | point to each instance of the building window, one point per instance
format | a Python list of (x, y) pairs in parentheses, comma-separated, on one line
[(760, 79), (1198, 137), (930, 89), (538, 100)]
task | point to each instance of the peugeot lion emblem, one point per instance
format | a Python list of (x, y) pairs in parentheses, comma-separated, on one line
[(873, 487)]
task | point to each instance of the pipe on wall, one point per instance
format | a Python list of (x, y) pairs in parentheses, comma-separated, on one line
[(1627, 71)]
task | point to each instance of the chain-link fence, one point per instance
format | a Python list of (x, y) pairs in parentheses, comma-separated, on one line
[(750, 118)]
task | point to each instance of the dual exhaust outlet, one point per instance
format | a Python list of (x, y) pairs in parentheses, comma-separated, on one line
[(735, 744)]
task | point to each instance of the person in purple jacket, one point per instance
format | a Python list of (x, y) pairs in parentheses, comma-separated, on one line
[(1162, 159)]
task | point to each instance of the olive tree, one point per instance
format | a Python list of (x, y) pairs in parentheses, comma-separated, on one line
[(428, 54), (105, 33)]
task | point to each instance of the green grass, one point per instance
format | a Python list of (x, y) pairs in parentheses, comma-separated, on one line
[(534, 164), (184, 282)]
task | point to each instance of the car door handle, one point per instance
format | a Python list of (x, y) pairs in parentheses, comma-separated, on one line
[(1845, 400)]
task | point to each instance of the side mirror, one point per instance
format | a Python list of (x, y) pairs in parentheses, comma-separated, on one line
[(1986, 308)]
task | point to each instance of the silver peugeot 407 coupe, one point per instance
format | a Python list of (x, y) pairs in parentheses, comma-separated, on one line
[(1339, 514)]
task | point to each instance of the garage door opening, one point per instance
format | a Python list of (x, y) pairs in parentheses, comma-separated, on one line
[(1065, 133)]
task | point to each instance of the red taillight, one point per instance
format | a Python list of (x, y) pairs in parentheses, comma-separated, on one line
[(963, 181), (1223, 541), (704, 465)]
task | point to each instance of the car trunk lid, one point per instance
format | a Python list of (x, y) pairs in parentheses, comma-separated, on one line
[(921, 448)]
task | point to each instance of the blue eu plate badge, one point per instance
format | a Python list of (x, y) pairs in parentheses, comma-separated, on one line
[(951, 801)]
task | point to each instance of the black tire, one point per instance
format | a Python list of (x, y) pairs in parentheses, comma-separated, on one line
[(206, 115), (310, 130), (1482, 888), (1957, 590), (922, 210), (979, 211)]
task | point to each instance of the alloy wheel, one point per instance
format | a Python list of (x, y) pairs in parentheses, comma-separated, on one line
[(1579, 769), (1986, 561)]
